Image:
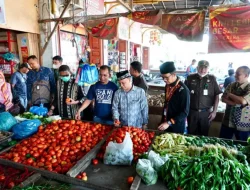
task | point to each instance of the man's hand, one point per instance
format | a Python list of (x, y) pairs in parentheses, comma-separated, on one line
[(72, 102), (117, 123), (78, 116), (163, 126), (145, 126), (211, 116), (50, 113)]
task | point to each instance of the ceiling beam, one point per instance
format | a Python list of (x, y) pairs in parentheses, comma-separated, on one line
[(55, 27), (175, 4), (163, 4), (125, 5)]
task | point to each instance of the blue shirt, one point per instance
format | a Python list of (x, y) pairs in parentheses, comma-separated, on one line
[(228, 81), (20, 88), (131, 108), (44, 73), (103, 95)]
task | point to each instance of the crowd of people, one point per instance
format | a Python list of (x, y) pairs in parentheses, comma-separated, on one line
[(195, 100)]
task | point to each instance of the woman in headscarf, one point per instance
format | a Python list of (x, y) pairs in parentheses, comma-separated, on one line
[(69, 96), (5, 93)]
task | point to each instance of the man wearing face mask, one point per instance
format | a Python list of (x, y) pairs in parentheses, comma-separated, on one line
[(57, 62), (204, 99), (69, 96)]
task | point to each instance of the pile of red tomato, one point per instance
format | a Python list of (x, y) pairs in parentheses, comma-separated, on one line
[(58, 146), (141, 140)]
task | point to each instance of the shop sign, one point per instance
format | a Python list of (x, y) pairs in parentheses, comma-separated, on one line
[(95, 7), (103, 28), (2, 12), (188, 26), (229, 30), (123, 28), (146, 17)]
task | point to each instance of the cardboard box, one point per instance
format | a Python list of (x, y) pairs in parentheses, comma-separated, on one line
[(28, 44)]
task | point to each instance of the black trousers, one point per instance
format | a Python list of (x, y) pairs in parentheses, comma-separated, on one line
[(198, 122)]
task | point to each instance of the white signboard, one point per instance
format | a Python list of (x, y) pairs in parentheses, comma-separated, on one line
[(2, 12)]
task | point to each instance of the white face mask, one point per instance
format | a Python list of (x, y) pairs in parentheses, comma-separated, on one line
[(202, 75), (55, 66)]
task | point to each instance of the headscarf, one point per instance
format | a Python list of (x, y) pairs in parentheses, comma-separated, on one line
[(5, 91), (3, 86)]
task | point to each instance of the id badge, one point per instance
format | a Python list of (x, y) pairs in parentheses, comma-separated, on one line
[(165, 112), (205, 92), (37, 87)]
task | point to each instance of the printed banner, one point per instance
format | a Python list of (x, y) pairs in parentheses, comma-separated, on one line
[(146, 17), (104, 28), (2, 12), (186, 25), (229, 30)]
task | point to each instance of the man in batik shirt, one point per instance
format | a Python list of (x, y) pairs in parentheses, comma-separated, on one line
[(236, 94), (130, 106)]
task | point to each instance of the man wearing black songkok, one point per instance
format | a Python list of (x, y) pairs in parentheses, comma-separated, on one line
[(177, 100)]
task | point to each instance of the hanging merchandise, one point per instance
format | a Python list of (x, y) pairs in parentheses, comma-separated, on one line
[(8, 63), (87, 74), (155, 37)]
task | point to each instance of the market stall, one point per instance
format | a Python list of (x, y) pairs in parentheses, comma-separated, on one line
[(84, 160)]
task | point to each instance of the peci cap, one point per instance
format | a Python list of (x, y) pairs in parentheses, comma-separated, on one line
[(122, 75), (167, 67)]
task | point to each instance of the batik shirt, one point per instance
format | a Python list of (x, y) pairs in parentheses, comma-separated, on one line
[(238, 90), (130, 108)]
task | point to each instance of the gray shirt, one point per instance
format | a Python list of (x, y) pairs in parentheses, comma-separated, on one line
[(130, 108), (140, 82)]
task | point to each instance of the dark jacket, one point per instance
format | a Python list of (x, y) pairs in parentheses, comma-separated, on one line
[(178, 109)]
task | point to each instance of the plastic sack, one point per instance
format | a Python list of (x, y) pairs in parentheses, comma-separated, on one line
[(156, 160), (89, 75), (145, 170), (7, 121), (41, 111), (26, 128), (119, 153)]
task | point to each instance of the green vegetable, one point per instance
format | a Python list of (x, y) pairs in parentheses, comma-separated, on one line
[(248, 140), (28, 155), (13, 142), (206, 172)]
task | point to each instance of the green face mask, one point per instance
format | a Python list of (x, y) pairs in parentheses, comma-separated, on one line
[(65, 79)]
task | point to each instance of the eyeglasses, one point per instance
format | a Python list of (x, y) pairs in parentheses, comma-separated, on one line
[(166, 77)]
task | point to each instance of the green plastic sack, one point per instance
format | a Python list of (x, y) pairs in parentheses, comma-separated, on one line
[(145, 170), (7, 121)]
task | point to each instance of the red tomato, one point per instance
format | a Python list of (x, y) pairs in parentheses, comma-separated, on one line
[(11, 185), (94, 161), (130, 180), (2, 177)]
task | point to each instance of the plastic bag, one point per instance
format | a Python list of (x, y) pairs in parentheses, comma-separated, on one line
[(41, 111), (146, 171), (156, 160), (26, 128), (119, 153), (7, 121), (89, 75)]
